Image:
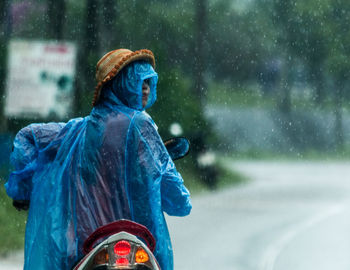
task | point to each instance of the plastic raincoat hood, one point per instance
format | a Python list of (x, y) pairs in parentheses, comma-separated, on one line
[(91, 171)]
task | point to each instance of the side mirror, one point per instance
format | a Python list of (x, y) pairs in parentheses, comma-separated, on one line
[(177, 147)]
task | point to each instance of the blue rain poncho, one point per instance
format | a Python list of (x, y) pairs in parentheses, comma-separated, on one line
[(91, 171)]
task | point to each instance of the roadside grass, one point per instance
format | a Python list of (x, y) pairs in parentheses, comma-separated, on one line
[(228, 178), (190, 176), (194, 180), (12, 223), (312, 155)]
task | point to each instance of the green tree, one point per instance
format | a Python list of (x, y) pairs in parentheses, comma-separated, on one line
[(55, 14), (109, 27), (88, 55), (324, 27), (5, 27), (199, 57)]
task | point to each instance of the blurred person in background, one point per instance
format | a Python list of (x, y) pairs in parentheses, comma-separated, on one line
[(91, 171)]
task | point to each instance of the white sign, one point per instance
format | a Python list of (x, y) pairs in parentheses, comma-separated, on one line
[(40, 79)]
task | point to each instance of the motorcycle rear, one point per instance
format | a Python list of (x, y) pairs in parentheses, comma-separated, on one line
[(121, 248)]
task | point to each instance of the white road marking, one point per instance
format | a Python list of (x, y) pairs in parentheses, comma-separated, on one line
[(275, 249)]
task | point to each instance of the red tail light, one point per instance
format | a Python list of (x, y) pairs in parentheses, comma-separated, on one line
[(122, 248), (122, 261)]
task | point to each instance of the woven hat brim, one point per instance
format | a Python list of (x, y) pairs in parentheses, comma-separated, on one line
[(134, 56)]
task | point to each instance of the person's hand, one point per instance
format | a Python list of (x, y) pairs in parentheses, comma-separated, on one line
[(166, 143), (21, 204)]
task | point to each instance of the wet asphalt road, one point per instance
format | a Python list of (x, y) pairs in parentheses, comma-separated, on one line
[(13, 262), (288, 216)]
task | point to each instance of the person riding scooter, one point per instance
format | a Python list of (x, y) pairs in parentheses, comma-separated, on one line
[(91, 171)]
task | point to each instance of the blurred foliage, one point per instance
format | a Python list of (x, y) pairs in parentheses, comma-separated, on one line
[(3, 63), (241, 43), (238, 40), (261, 49)]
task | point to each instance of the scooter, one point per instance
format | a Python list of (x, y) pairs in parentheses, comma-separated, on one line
[(122, 247)]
